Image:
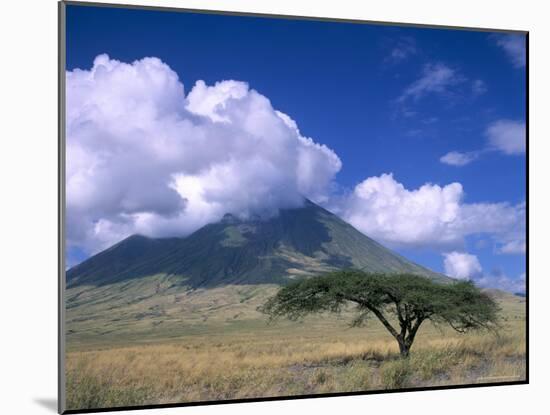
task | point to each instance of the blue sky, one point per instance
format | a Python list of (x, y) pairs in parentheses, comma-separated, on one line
[(383, 99)]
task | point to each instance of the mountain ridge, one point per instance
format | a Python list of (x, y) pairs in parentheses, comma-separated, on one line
[(297, 242)]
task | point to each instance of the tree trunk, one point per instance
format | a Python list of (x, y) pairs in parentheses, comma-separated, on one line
[(404, 348)]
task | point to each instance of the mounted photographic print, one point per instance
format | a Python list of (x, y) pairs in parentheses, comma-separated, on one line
[(262, 207)]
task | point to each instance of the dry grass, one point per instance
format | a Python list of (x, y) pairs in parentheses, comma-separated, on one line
[(293, 361)]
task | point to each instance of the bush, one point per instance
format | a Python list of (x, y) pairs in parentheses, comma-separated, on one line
[(396, 374)]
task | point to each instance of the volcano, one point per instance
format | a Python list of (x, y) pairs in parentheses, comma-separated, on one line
[(296, 243)]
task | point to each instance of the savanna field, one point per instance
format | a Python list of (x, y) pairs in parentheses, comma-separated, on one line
[(225, 237), (225, 349)]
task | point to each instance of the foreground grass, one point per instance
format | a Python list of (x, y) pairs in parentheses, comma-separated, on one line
[(268, 363)]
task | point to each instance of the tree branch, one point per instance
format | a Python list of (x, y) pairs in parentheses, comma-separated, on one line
[(414, 328), (384, 321)]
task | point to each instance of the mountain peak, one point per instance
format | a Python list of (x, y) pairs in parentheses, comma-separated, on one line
[(229, 218)]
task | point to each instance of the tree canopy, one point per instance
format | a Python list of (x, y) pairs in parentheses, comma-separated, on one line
[(402, 302)]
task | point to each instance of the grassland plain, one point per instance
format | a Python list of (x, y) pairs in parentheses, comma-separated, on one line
[(202, 345)]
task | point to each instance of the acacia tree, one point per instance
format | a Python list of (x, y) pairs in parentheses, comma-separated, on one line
[(405, 299)]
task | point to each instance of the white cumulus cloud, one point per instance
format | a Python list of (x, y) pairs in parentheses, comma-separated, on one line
[(508, 136), (465, 266), (429, 216), (384, 209), (145, 157), (461, 265), (498, 279), (505, 136), (514, 247)]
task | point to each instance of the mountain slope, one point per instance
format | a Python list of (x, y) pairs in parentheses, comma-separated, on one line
[(298, 242)]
